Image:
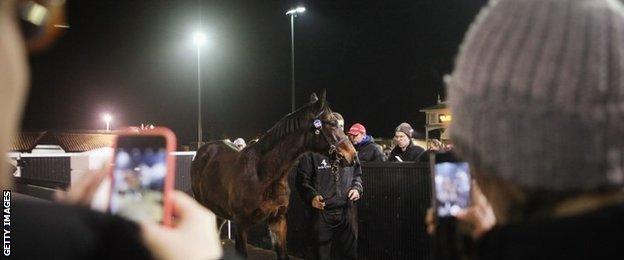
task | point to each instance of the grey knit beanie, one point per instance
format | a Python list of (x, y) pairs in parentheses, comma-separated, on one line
[(537, 94), (406, 129)]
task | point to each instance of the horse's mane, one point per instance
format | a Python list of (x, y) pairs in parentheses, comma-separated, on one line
[(288, 124)]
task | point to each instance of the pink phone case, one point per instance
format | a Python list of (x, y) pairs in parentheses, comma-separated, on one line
[(169, 178)]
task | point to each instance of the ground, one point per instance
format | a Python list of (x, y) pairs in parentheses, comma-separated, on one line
[(255, 253)]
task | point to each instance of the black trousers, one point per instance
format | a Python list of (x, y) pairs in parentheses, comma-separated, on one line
[(333, 234)]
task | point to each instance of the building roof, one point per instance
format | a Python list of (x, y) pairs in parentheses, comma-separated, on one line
[(438, 106), (26, 141), (68, 141), (76, 142)]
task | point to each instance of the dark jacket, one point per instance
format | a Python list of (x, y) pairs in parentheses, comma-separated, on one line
[(43, 230), (369, 151), (411, 153), (314, 177), (593, 235)]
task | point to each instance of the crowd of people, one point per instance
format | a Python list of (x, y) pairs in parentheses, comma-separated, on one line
[(536, 97)]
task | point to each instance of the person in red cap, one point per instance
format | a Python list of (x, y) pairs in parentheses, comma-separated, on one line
[(368, 150)]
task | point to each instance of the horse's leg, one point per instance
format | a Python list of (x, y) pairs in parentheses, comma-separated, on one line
[(279, 228), (241, 240)]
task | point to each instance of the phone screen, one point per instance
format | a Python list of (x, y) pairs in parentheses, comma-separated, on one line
[(452, 187), (139, 172)]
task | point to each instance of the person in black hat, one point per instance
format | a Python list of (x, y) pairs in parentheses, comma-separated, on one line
[(405, 150)]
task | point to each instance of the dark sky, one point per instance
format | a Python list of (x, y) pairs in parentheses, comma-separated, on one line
[(380, 61)]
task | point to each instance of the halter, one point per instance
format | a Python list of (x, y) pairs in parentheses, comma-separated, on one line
[(317, 125)]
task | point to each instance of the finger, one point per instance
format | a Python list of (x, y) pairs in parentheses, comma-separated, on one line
[(429, 216), (431, 229), (466, 215), (183, 206), (477, 194)]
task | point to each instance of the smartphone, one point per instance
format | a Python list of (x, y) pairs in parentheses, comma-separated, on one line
[(451, 184), (142, 175)]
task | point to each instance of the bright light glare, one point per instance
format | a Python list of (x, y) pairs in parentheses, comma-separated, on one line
[(107, 118), (296, 11), (199, 38)]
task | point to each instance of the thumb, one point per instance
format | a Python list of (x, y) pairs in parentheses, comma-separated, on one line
[(464, 215)]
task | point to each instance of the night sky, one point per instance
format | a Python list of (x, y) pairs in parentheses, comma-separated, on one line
[(380, 61)]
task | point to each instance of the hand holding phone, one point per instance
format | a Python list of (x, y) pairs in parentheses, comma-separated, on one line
[(142, 175), (451, 185), (480, 214)]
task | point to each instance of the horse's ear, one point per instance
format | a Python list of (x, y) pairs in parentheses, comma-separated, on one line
[(323, 95), (313, 98)]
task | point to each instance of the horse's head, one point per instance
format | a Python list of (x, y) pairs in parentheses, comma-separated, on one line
[(326, 136)]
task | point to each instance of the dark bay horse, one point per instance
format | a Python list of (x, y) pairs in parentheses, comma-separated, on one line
[(251, 186)]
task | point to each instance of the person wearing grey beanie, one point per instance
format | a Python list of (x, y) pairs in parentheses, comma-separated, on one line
[(537, 98), (405, 150)]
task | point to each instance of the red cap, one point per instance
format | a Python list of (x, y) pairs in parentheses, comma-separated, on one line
[(357, 129)]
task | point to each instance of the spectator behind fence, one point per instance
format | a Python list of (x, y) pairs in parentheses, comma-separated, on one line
[(386, 151), (45, 230), (405, 150), (368, 150), (537, 98)]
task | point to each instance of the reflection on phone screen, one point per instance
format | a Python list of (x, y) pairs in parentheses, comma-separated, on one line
[(139, 178), (452, 185)]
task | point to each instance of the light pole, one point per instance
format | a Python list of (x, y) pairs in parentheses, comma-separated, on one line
[(199, 38), (293, 13), (107, 119)]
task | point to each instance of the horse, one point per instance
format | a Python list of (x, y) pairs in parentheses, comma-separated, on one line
[(251, 186)]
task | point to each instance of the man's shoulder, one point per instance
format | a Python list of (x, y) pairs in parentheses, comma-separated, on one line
[(372, 146)]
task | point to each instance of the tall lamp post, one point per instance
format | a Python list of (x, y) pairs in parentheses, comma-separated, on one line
[(107, 119), (293, 13), (199, 38)]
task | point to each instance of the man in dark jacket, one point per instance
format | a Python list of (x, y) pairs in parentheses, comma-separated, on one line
[(405, 150), (332, 218), (332, 213), (368, 150)]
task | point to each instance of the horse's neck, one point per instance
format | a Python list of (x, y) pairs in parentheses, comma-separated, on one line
[(279, 160)]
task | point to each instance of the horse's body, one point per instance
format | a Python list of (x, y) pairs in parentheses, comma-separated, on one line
[(251, 186)]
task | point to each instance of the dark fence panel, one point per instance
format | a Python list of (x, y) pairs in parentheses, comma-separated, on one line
[(52, 172), (392, 211)]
